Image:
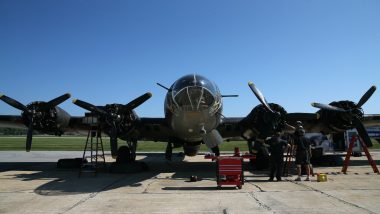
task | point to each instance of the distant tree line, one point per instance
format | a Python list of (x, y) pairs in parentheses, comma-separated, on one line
[(17, 132), (12, 131)]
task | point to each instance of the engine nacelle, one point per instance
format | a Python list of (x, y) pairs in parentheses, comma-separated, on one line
[(262, 123), (50, 121), (341, 121), (124, 121)]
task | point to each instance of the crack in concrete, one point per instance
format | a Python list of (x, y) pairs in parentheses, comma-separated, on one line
[(147, 187), (261, 204), (331, 196), (92, 195), (258, 187)]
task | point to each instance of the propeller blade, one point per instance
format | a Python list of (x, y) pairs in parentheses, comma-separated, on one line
[(362, 132), (89, 107), (29, 136), (366, 96), (57, 101), (14, 103), (113, 141), (259, 96), (327, 107), (136, 102)]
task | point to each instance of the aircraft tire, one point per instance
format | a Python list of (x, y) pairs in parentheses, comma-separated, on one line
[(123, 155)]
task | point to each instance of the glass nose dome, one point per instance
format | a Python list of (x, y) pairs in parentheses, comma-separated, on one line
[(195, 92)]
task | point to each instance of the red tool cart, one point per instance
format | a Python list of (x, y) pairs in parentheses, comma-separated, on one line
[(230, 171)]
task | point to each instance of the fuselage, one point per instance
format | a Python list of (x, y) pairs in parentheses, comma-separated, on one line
[(193, 107)]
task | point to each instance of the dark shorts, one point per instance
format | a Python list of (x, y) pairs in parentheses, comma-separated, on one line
[(302, 158)]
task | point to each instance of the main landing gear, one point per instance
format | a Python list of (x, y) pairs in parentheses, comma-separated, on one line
[(127, 154), (126, 160), (262, 155)]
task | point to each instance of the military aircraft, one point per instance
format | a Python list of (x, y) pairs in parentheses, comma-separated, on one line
[(193, 116)]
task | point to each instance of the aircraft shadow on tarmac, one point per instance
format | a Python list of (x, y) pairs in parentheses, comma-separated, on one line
[(196, 188), (67, 182)]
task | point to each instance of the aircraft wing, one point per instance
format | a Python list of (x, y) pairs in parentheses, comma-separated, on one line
[(371, 120), (154, 129), (318, 125), (150, 129), (15, 121), (11, 121), (147, 129), (233, 128)]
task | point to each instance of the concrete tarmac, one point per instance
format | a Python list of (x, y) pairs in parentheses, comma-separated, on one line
[(31, 183)]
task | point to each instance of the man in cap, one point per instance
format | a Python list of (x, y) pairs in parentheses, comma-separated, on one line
[(276, 148), (303, 152)]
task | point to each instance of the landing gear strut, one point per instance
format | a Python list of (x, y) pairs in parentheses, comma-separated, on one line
[(132, 147), (216, 151), (250, 146), (169, 151), (262, 155)]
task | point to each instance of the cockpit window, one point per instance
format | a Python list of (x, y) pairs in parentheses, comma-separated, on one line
[(194, 92), (194, 80)]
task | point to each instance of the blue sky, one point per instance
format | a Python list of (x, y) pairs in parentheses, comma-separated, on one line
[(102, 52)]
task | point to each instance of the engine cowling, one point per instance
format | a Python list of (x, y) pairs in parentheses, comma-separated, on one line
[(264, 123), (50, 121), (342, 115), (341, 121), (125, 121), (42, 116), (117, 120)]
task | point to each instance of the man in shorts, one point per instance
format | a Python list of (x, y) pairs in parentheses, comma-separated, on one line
[(303, 153)]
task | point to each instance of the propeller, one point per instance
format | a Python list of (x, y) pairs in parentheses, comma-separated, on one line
[(89, 107), (112, 118), (136, 102), (366, 96), (259, 96), (350, 113), (56, 101), (328, 107), (31, 112), (14, 103), (275, 116)]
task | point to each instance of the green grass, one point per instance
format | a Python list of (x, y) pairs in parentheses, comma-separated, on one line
[(376, 144), (77, 144)]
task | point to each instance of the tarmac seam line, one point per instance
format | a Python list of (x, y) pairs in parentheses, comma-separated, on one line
[(331, 196)]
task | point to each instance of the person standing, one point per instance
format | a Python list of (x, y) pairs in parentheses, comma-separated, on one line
[(303, 153), (277, 147)]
